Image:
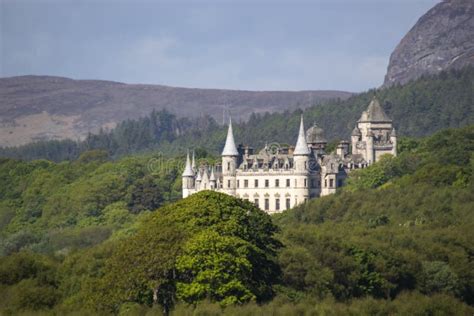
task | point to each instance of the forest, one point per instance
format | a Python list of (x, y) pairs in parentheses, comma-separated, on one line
[(418, 108), (102, 235)]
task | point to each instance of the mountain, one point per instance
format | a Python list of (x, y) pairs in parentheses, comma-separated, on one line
[(442, 39), (44, 108), (418, 108)]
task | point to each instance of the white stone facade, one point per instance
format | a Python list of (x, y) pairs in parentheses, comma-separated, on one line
[(278, 178)]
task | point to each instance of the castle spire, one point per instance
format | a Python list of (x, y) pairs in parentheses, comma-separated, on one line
[(212, 177), (230, 149), (301, 145), (188, 170), (193, 163)]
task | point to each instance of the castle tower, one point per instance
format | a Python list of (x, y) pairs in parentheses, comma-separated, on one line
[(188, 178), (230, 157), (372, 136), (198, 180), (301, 156), (212, 180), (356, 136), (369, 154)]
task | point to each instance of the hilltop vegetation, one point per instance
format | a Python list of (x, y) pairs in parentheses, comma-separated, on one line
[(418, 108), (101, 236)]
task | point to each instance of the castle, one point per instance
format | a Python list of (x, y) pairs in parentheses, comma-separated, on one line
[(278, 178)]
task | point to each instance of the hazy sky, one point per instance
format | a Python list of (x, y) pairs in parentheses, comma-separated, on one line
[(254, 45)]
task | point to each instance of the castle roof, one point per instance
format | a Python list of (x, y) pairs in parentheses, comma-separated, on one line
[(188, 170), (356, 132), (315, 134), (229, 148), (212, 177), (375, 112), (301, 145)]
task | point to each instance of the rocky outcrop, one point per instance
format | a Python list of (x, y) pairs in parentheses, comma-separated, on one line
[(442, 39)]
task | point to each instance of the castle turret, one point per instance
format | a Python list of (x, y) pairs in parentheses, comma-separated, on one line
[(370, 157), (342, 148), (212, 179), (230, 157), (301, 156), (188, 178), (355, 137), (198, 180)]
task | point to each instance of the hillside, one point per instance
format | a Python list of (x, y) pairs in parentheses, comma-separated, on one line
[(70, 230), (442, 39), (44, 108), (418, 108)]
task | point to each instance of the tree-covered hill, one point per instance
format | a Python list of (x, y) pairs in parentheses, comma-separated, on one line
[(97, 236), (418, 108), (405, 223)]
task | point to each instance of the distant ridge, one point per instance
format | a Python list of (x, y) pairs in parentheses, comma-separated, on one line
[(45, 107)]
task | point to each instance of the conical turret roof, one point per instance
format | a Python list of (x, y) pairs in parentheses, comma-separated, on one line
[(356, 131), (193, 163), (230, 149), (188, 170), (212, 177), (315, 134), (375, 112), (301, 145)]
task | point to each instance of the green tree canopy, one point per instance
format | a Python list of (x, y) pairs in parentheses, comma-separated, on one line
[(207, 246)]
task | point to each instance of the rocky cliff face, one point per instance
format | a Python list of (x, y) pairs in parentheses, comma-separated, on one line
[(443, 38)]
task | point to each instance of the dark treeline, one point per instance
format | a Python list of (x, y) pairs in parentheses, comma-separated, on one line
[(418, 108), (131, 136)]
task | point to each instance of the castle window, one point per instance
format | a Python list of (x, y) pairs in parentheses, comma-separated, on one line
[(305, 184), (331, 183), (277, 183), (256, 183), (246, 183), (267, 204), (228, 183), (305, 165), (238, 183), (288, 202), (228, 166), (277, 204), (267, 183), (287, 183), (255, 202)]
